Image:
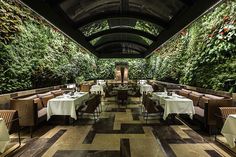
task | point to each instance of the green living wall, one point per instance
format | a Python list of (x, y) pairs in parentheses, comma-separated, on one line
[(202, 55), (138, 68), (34, 54)]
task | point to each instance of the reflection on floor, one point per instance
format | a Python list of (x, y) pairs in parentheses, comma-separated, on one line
[(119, 132), (221, 139)]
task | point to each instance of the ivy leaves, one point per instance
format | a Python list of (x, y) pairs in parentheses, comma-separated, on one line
[(204, 54), (33, 54)]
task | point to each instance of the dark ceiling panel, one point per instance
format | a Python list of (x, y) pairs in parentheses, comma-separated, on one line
[(116, 15), (77, 9), (164, 9), (188, 2), (121, 22), (127, 22)]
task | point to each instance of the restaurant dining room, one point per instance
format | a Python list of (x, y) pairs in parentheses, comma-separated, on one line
[(117, 78)]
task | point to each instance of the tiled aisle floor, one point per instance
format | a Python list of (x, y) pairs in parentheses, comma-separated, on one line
[(118, 132)]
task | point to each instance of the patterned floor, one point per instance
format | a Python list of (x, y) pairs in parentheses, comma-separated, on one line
[(119, 132)]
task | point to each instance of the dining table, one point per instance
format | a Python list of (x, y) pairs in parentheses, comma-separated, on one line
[(4, 135), (174, 104), (66, 104), (229, 130)]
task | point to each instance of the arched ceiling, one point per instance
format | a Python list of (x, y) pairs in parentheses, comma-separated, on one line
[(120, 28)]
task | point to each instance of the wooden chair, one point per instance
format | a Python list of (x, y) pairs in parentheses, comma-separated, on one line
[(222, 114), (90, 107), (12, 122), (122, 97), (109, 91), (98, 101), (151, 107)]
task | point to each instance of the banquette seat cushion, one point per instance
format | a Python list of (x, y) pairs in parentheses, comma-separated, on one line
[(205, 106)]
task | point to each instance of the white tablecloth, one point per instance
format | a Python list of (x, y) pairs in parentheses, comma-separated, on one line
[(146, 88), (175, 104), (159, 96), (4, 136), (229, 130), (97, 89), (63, 105)]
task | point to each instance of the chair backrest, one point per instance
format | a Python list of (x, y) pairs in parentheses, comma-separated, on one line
[(57, 93), (9, 116), (98, 98), (144, 100), (91, 104), (46, 98), (222, 113), (107, 90), (137, 92), (145, 97), (226, 111), (122, 95), (85, 87), (150, 106)]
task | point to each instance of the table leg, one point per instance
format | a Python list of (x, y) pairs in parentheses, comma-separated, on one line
[(67, 120)]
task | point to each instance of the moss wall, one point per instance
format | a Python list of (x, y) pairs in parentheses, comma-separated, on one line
[(204, 54), (33, 54), (137, 68)]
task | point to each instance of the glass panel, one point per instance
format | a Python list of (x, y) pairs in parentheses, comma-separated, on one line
[(95, 27), (121, 37), (148, 27), (94, 41), (102, 25), (147, 40)]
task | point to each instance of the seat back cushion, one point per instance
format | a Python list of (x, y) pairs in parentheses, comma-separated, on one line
[(44, 94), (194, 98), (46, 98), (186, 90), (203, 101), (39, 103), (58, 90), (29, 97), (214, 97), (57, 93), (197, 93), (184, 93)]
